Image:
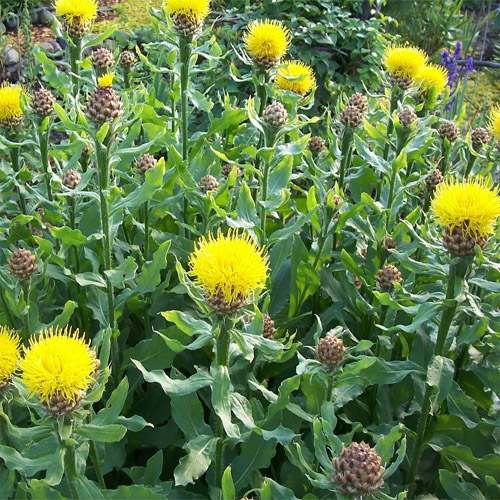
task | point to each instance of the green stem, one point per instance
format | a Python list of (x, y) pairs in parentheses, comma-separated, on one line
[(346, 150), (75, 53), (146, 231), (262, 94), (470, 164), (94, 456), (390, 199), (390, 124), (222, 357), (456, 273), (44, 155), (184, 56), (102, 158), (26, 285), (445, 154), (126, 77), (264, 189), (7, 310), (14, 157)]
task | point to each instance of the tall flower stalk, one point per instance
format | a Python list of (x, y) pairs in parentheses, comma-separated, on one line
[(402, 65), (77, 18), (230, 269), (467, 211), (104, 107)]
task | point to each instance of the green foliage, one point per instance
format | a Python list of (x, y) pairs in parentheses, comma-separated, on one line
[(188, 404)]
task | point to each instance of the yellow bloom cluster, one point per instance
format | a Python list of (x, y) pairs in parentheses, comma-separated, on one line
[(296, 77), (197, 10), (9, 354), (432, 78), (82, 12), (267, 41), (472, 205), (405, 62), (232, 265), (10, 102), (58, 363), (105, 80)]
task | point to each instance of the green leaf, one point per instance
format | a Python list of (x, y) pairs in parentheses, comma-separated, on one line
[(192, 466), (228, 489), (187, 412), (175, 387), (90, 279), (125, 272), (458, 489), (69, 237), (440, 375), (110, 433), (150, 276), (221, 398), (271, 490), (256, 453)]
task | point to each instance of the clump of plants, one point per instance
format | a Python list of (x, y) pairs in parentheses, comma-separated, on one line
[(214, 295)]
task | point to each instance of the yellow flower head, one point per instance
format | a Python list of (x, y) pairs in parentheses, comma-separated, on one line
[(232, 265), (58, 363), (82, 12), (495, 122), (471, 205), (196, 10), (267, 41), (10, 102), (105, 80), (296, 76), (9, 354), (432, 78), (404, 61)]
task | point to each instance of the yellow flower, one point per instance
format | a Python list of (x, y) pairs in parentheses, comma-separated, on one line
[(495, 122), (472, 205), (81, 12), (232, 265), (106, 80), (404, 61), (267, 41), (432, 78), (296, 76), (9, 354), (196, 10), (59, 363), (10, 103)]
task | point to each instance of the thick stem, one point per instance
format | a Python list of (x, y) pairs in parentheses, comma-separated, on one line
[(7, 310), (102, 157), (346, 154), (44, 155), (456, 272), (390, 124), (146, 231), (445, 154), (126, 77), (470, 164), (184, 56), (94, 456), (262, 94), (222, 357), (14, 157), (75, 53), (26, 285), (264, 189)]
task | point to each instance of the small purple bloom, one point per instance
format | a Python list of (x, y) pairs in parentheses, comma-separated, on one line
[(469, 64), (458, 50)]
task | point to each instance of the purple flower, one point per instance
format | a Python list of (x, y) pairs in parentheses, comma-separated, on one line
[(469, 64), (458, 50)]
